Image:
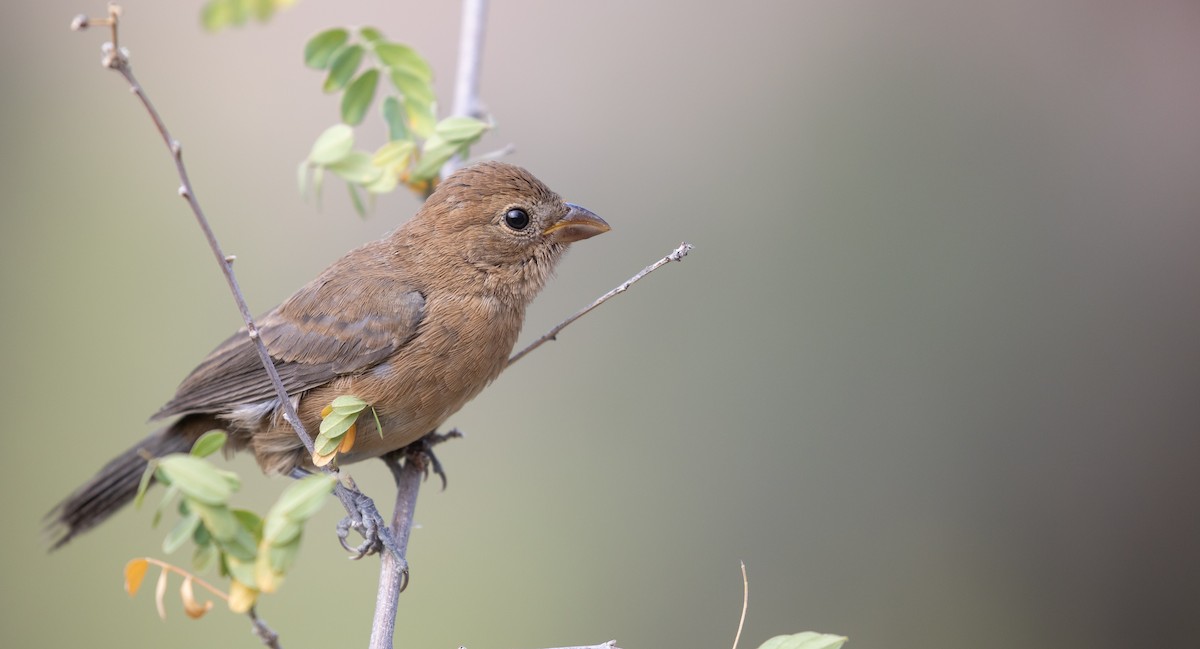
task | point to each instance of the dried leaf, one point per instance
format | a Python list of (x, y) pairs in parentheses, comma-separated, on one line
[(135, 571), (193, 608), (348, 439), (241, 597), (160, 591)]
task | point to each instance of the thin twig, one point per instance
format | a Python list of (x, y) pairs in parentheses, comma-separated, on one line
[(268, 637), (676, 255), (745, 603), (118, 60), (470, 66)]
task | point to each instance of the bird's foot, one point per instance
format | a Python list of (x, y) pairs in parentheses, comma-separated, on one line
[(421, 454), (363, 517)]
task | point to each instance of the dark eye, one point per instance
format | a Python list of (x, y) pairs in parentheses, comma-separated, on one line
[(516, 219)]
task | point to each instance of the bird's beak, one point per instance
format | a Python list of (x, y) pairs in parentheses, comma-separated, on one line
[(578, 224)]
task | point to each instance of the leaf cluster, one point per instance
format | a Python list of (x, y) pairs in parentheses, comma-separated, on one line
[(418, 143), (254, 552), (219, 14)]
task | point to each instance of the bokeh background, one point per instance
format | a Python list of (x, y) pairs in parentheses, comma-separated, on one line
[(932, 371)]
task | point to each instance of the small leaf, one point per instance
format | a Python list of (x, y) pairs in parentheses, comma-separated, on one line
[(193, 608), (437, 151), (348, 439), (249, 521), (160, 590), (378, 426), (209, 443), (402, 57), (358, 97), (239, 570), (135, 571), (386, 181), (341, 70), (302, 179), (332, 145), (460, 130), (356, 168), (412, 85), (180, 534), (172, 492), (280, 529), (806, 640), (241, 597), (393, 114), (218, 519), (370, 34), (198, 479), (348, 404), (242, 546), (321, 48), (144, 484), (204, 556), (359, 208)]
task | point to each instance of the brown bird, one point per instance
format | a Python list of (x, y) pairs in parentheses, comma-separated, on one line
[(415, 324)]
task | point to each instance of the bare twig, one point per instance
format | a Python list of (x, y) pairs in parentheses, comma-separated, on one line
[(470, 65), (745, 603), (676, 255), (268, 637)]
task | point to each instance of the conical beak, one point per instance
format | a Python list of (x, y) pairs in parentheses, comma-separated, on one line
[(578, 224)]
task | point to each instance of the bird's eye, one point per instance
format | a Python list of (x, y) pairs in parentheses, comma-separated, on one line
[(516, 219)]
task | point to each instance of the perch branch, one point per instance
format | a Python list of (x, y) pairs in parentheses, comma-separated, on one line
[(676, 255), (470, 65)]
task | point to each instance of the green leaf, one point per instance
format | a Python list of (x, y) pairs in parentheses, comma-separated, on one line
[(359, 208), (337, 423), (280, 529), (358, 97), (282, 556), (395, 153), (378, 426), (241, 545), (242, 571), (806, 640), (393, 114), (334, 144), (422, 117), (218, 519), (302, 179), (341, 70), (209, 443), (204, 556), (320, 48), (250, 522), (144, 484), (356, 168), (348, 404), (437, 152), (172, 492), (386, 181), (412, 86), (370, 34), (198, 479), (460, 130), (324, 444), (302, 499), (180, 534), (402, 57)]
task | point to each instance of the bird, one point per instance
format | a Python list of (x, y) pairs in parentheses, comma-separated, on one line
[(415, 324)]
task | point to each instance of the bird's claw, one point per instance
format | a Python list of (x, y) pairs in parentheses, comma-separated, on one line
[(364, 518)]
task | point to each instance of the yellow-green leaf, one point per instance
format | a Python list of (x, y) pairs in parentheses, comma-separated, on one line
[(320, 48), (460, 130), (403, 57), (209, 443), (394, 116), (198, 479), (332, 145), (805, 640), (182, 531), (370, 34), (343, 66), (358, 97)]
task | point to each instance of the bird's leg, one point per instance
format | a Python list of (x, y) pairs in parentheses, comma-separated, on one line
[(363, 517), (421, 453)]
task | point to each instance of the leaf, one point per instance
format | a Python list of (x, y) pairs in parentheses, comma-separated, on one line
[(249, 521), (241, 597), (342, 68), (336, 424), (144, 484), (348, 404), (386, 181), (413, 86), (402, 57), (243, 546), (359, 208), (437, 151), (160, 590), (193, 608), (302, 179), (198, 479), (135, 571), (281, 529), (348, 440), (332, 145), (321, 48), (172, 491), (204, 556), (370, 34), (180, 534), (805, 640), (356, 168), (460, 130), (322, 460), (218, 519), (209, 443), (358, 97), (239, 570), (302, 499), (394, 116), (378, 426)]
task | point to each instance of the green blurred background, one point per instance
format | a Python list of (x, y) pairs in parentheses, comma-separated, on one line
[(932, 371)]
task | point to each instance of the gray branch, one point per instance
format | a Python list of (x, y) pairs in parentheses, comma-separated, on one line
[(470, 65)]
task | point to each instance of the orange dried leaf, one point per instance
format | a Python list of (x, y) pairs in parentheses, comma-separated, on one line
[(135, 571), (193, 608), (326, 410), (322, 460), (160, 591), (348, 439)]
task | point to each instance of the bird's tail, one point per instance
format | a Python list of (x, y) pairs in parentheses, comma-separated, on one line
[(116, 484)]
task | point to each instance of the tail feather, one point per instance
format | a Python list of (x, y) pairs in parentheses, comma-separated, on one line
[(115, 485)]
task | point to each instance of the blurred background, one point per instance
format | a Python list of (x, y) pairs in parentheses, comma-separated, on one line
[(932, 370)]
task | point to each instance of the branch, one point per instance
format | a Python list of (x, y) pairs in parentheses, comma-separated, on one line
[(470, 63), (676, 255)]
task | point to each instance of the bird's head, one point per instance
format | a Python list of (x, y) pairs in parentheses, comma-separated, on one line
[(507, 225)]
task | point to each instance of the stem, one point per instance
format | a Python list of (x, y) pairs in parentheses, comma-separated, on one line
[(470, 65)]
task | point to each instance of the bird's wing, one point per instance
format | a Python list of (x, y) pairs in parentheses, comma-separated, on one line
[(323, 331)]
